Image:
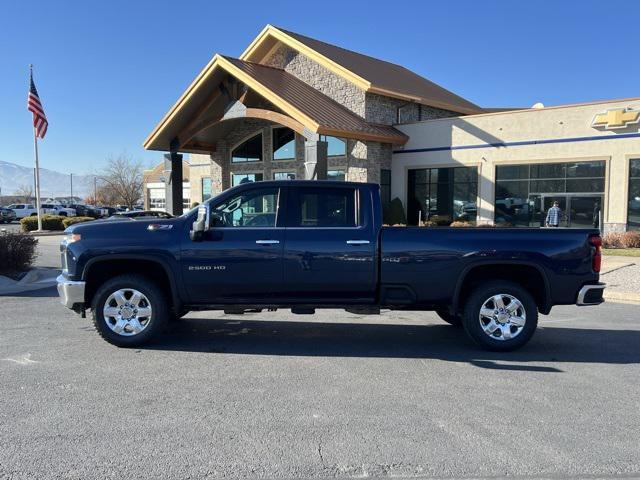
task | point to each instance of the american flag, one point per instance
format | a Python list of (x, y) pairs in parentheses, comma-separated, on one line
[(33, 104)]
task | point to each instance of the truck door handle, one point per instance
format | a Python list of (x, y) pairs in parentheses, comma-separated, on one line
[(267, 242), (358, 242)]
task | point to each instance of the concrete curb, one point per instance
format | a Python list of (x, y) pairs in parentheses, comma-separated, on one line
[(46, 233), (622, 297), (35, 279)]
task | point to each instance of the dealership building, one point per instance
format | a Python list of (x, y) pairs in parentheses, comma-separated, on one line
[(294, 107)]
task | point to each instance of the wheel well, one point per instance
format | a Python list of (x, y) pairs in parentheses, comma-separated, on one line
[(527, 276), (100, 272)]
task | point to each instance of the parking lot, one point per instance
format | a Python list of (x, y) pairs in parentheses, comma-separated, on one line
[(330, 395)]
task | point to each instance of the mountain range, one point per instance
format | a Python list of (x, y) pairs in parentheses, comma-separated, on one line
[(52, 183)]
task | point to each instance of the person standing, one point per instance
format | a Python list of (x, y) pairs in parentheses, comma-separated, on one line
[(554, 215)]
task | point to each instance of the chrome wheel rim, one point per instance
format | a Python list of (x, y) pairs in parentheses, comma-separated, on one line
[(502, 317), (127, 312)]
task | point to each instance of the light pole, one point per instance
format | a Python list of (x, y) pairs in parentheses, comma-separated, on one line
[(71, 182), (95, 190)]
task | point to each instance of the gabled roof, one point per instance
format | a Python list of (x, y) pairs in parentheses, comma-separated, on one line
[(299, 101), (330, 117), (368, 73)]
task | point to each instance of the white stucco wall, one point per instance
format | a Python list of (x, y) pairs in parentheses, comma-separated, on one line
[(550, 124)]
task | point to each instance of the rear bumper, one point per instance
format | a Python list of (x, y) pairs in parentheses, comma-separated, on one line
[(71, 293), (591, 294)]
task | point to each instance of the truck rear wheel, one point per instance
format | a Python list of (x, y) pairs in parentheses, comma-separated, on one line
[(455, 320), (500, 316), (129, 310)]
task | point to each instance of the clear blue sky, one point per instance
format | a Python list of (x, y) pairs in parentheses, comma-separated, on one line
[(107, 71)]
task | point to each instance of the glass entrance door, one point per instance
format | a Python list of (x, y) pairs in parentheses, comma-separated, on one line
[(578, 211), (584, 211)]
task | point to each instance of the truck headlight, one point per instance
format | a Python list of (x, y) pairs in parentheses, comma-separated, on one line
[(72, 237)]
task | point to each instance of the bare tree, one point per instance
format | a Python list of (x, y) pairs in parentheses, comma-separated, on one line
[(25, 191), (122, 181)]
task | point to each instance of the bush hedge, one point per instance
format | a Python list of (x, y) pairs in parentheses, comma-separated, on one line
[(621, 240), (73, 220), (49, 222), (17, 251)]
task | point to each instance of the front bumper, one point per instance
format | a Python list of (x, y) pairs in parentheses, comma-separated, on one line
[(71, 293), (591, 294)]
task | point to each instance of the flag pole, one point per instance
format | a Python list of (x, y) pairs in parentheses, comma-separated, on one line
[(35, 150)]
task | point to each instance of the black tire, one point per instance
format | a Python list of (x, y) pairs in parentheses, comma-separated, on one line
[(160, 311), (473, 325), (455, 320)]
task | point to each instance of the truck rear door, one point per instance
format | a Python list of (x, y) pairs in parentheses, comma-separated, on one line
[(330, 245)]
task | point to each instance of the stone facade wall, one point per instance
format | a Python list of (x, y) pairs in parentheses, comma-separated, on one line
[(318, 77)]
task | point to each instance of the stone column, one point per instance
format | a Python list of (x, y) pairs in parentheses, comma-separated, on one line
[(173, 183), (315, 160)]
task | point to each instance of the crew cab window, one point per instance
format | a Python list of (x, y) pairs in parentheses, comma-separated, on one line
[(325, 207), (253, 208)]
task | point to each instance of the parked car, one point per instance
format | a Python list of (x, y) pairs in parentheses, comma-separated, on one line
[(85, 210), (55, 209), (141, 214), (303, 245), (23, 210), (7, 215)]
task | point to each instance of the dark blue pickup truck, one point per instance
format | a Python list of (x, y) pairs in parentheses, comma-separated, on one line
[(303, 245)]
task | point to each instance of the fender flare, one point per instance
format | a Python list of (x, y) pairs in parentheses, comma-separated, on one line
[(545, 308), (173, 284)]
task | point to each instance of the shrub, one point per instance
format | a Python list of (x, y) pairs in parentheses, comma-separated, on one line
[(49, 222), (441, 220), (631, 240), (17, 251), (394, 214), (459, 223), (195, 204), (72, 220), (613, 240)]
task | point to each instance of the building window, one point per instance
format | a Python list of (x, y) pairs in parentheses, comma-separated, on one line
[(248, 151), (239, 178), (284, 175), (284, 143), (633, 212), (385, 187), (336, 175), (206, 189), (525, 192), (336, 146), (157, 200), (442, 195)]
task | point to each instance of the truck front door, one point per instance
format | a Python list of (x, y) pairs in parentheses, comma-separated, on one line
[(239, 259)]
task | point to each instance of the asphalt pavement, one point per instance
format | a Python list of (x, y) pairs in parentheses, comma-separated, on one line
[(274, 395)]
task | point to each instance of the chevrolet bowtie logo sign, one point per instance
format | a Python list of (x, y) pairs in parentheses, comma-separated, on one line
[(617, 118)]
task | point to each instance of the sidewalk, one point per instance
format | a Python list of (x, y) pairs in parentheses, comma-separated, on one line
[(35, 279), (622, 276)]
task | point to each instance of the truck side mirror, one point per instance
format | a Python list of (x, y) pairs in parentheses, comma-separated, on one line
[(201, 224)]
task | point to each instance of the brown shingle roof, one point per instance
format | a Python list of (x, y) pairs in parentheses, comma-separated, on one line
[(333, 118), (389, 77)]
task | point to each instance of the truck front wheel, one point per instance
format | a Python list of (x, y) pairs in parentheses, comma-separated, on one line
[(500, 316), (129, 310)]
